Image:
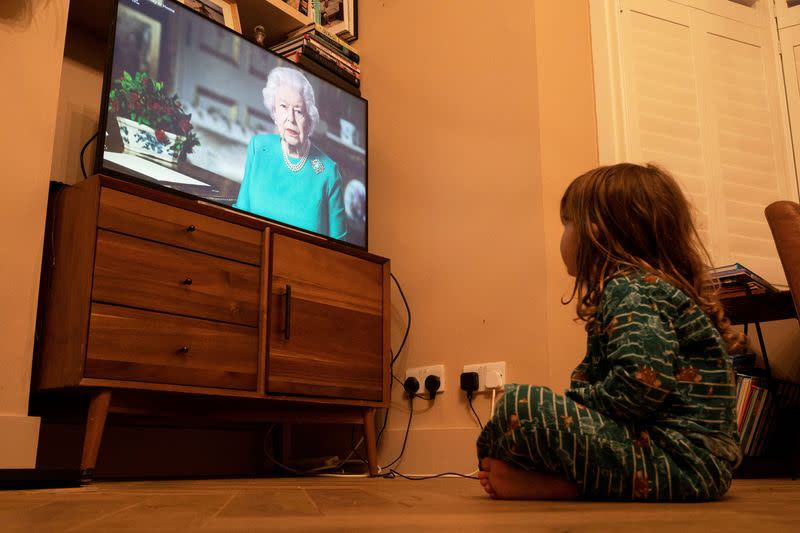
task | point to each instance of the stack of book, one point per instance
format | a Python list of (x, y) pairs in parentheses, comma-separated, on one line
[(737, 280), (324, 54), (759, 408), (754, 413)]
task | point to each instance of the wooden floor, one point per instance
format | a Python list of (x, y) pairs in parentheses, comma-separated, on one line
[(359, 504)]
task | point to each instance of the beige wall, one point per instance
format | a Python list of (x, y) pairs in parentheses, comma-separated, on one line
[(32, 40), (568, 134), (463, 197)]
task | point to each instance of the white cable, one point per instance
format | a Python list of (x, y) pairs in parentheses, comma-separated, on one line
[(491, 413)]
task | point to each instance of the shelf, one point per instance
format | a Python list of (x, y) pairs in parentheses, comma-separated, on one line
[(762, 307), (277, 17)]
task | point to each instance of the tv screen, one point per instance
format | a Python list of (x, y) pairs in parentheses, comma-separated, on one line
[(194, 107)]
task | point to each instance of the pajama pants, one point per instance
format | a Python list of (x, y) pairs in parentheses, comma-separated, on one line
[(535, 429)]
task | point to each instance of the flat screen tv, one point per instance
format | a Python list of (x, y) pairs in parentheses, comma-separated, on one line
[(192, 106)]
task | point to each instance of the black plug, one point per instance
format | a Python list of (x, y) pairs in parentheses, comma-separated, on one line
[(470, 381), (411, 386), (432, 384)]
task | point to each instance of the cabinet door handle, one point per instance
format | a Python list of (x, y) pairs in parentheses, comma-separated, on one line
[(187, 281), (287, 317), (190, 228)]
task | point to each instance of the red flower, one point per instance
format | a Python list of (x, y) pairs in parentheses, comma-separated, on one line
[(184, 125), (133, 97), (161, 135), (155, 106)]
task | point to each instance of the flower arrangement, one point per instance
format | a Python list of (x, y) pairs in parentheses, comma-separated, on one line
[(143, 100)]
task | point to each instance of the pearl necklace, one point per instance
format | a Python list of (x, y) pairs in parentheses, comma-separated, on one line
[(295, 167)]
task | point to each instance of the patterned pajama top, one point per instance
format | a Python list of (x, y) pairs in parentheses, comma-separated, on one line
[(650, 414)]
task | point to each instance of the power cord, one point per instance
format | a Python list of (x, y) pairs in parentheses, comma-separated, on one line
[(319, 471), (395, 356), (469, 400), (83, 150), (408, 428), (392, 473), (408, 322), (469, 384)]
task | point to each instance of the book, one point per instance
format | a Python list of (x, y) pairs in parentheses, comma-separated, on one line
[(320, 31), (330, 65), (314, 42), (318, 70), (307, 40), (315, 7), (735, 274)]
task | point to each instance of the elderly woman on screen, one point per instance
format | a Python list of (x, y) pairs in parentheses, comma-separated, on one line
[(286, 177)]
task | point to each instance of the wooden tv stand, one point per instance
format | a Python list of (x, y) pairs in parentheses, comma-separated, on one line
[(164, 305)]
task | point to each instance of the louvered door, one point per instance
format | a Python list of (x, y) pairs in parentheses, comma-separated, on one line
[(701, 98)]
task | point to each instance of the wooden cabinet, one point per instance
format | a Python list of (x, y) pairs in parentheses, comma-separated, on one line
[(153, 292)]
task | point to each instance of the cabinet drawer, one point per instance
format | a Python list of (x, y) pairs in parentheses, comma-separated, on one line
[(139, 273), (130, 344), (145, 218)]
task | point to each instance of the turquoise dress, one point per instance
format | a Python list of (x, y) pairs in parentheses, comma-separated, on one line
[(310, 199), (650, 413)]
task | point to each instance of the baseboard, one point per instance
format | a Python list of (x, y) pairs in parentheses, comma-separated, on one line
[(19, 442), (431, 450)]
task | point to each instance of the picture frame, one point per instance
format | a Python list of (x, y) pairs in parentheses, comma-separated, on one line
[(225, 12), (339, 17)]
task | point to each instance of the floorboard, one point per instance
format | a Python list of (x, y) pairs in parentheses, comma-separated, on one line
[(385, 505)]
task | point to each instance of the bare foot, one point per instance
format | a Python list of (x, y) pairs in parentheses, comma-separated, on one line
[(504, 482)]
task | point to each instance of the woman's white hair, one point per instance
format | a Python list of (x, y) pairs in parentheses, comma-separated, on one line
[(289, 77)]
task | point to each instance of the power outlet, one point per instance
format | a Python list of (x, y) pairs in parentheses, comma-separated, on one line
[(489, 373), (422, 372)]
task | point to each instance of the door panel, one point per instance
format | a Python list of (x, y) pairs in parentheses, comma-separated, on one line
[(334, 316)]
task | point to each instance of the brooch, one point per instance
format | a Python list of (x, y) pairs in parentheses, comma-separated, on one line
[(317, 165)]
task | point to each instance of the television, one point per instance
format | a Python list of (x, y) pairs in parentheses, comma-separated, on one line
[(192, 106)]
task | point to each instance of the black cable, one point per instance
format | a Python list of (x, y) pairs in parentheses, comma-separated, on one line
[(395, 356), (83, 150), (383, 427), (408, 428), (353, 445), (392, 473), (469, 399), (408, 323)]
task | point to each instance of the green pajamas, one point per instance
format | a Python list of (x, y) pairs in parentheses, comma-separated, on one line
[(650, 414)]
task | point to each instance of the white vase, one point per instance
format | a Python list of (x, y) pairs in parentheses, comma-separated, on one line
[(140, 140)]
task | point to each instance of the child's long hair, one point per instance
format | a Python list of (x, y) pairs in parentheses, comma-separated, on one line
[(628, 218)]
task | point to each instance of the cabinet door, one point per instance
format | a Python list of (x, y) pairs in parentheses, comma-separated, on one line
[(326, 323)]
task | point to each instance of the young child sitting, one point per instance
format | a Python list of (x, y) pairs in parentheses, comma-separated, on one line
[(650, 413)]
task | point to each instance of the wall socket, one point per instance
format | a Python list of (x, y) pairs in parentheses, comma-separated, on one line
[(489, 373), (422, 372)]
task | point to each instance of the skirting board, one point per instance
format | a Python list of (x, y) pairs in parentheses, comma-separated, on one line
[(430, 450), (31, 478)]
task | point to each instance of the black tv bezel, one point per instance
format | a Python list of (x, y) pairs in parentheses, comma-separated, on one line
[(99, 168)]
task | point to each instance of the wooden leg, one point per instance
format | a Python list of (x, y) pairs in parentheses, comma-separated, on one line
[(369, 441), (95, 422)]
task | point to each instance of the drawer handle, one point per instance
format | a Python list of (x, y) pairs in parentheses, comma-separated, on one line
[(191, 228), (287, 309), (184, 349), (187, 281)]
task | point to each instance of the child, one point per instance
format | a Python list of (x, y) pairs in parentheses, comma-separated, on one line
[(650, 414)]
